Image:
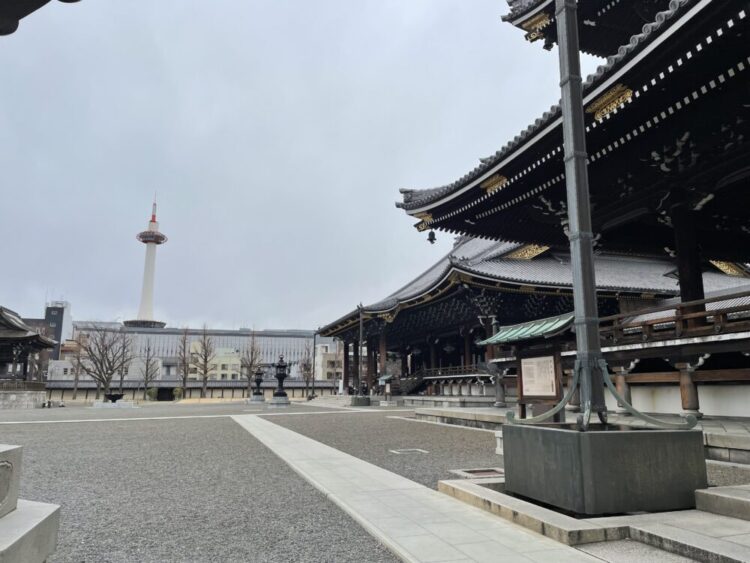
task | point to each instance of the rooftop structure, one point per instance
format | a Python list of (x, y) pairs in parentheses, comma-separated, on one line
[(17, 342), (152, 238)]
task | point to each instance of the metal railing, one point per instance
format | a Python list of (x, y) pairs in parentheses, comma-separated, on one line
[(12, 385), (473, 369), (678, 320)]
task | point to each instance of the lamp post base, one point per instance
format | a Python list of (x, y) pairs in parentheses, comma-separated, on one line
[(277, 402), (256, 399)]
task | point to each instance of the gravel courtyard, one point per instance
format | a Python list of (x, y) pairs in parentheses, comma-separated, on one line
[(194, 489), (371, 436)]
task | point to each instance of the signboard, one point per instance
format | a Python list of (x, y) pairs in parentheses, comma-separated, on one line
[(538, 377)]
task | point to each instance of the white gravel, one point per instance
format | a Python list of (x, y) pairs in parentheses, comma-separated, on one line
[(180, 490)]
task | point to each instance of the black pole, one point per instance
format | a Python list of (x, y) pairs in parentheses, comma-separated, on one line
[(579, 216)]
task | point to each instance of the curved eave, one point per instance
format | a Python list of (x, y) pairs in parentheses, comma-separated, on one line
[(461, 274), (606, 76)]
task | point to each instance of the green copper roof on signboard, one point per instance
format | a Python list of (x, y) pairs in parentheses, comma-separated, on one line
[(532, 329)]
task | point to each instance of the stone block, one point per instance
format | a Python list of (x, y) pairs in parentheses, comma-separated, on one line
[(727, 440), (29, 533), (739, 456), (255, 399), (358, 401), (718, 454), (606, 470), (499, 442), (724, 474), (10, 477), (278, 402)]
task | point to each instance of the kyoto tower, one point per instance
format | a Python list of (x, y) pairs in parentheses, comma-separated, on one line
[(151, 237)]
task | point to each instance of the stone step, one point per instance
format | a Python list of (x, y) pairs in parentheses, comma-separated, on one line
[(29, 533), (689, 543), (729, 501)]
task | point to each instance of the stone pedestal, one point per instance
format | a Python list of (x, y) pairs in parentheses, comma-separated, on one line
[(358, 401), (117, 405), (255, 399), (28, 530), (22, 399), (607, 470), (10, 477), (277, 402)]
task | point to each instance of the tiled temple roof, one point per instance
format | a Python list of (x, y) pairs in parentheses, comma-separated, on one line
[(415, 199), (489, 260)]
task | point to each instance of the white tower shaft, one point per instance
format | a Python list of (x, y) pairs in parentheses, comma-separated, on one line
[(146, 309)]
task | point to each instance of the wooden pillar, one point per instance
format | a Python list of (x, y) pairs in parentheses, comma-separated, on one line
[(433, 354), (688, 390), (404, 363), (623, 388), (489, 351), (345, 375), (688, 258), (371, 363), (467, 347), (382, 354), (356, 365)]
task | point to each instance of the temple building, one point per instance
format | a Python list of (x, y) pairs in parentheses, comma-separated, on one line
[(666, 132), (19, 344), (434, 324)]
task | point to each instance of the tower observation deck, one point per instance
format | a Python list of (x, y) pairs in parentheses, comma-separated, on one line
[(152, 238)]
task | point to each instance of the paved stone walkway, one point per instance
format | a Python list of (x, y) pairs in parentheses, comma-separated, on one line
[(416, 522)]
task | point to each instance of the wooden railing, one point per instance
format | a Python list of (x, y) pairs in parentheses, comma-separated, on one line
[(677, 320)]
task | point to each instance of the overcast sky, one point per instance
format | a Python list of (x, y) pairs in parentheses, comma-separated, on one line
[(276, 134)]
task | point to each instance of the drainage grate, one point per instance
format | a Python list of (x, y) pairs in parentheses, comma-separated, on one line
[(409, 451), (477, 473)]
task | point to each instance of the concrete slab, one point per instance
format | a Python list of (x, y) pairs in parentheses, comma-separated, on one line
[(29, 533), (409, 518)]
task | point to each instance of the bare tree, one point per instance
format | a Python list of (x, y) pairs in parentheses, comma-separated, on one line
[(124, 344), (202, 358), (77, 361), (106, 352), (183, 359), (306, 366), (250, 361), (150, 367)]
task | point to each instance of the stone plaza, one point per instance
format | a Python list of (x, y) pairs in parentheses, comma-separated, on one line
[(318, 481)]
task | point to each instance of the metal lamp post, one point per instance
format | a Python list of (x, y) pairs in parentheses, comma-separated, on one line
[(257, 393), (280, 398)]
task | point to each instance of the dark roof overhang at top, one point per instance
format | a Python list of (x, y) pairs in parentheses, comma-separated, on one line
[(604, 25), (13, 11), (666, 117)]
